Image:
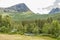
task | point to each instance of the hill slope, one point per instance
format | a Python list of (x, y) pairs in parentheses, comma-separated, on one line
[(16, 8)]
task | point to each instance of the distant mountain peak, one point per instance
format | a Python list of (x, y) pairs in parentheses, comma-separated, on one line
[(54, 10), (17, 8)]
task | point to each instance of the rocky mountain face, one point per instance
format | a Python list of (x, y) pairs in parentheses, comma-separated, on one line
[(54, 10), (56, 7), (16, 8)]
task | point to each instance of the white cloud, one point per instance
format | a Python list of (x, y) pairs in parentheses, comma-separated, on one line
[(7, 3), (35, 5)]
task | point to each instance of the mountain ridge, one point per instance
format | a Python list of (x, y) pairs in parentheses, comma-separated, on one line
[(54, 10), (16, 8)]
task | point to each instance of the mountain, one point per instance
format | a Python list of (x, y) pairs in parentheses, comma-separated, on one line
[(54, 10), (16, 8)]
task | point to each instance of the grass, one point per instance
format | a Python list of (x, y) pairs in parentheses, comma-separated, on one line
[(23, 37)]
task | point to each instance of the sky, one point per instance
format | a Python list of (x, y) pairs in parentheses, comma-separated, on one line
[(34, 5)]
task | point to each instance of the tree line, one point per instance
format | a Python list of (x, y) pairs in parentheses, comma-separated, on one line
[(48, 26)]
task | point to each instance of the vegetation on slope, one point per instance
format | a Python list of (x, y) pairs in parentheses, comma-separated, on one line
[(31, 24)]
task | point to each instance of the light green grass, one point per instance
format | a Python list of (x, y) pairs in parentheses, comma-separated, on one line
[(23, 37)]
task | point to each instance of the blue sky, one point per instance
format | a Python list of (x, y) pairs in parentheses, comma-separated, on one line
[(34, 5)]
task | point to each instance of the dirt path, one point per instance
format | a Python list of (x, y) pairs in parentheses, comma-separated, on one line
[(19, 37)]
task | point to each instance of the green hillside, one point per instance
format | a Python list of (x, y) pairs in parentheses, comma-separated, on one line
[(30, 16)]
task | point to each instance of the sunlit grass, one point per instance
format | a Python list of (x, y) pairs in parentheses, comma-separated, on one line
[(23, 37)]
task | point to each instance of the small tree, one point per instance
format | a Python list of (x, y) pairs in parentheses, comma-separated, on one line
[(35, 30), (54, 30), (46, 28)]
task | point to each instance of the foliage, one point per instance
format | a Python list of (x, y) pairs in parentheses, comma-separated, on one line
[(30, 25)]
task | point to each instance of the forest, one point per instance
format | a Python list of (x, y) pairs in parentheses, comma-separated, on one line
[(46, 27)]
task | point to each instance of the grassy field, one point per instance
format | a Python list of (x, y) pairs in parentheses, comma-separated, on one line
[(23, 37)]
